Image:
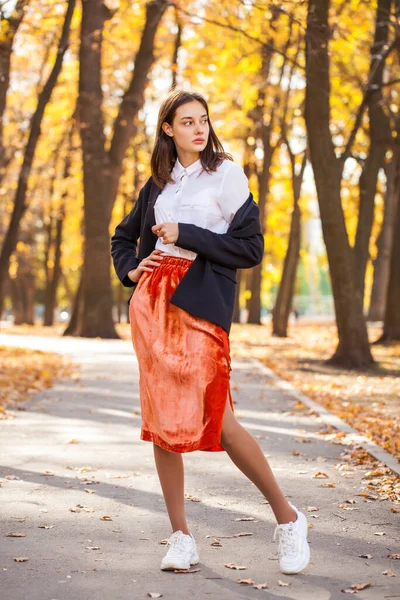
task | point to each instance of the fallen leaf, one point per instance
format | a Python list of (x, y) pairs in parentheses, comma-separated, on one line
[(395, 510), (20, 558), (216, 543), (233, 566), (328, 485), (85, 508), (192, 498), (297, 453), (356, 587), (260, 586), (228, 537), (283, 583), (379, 533), (320, 474), (105, 518), (395, 556), (73, 441), (389, 573), (154, 595), (245, 581), (186, 570), (90, 491), (16, 534), (365, 556), (312, 508), (244, 519), (45, 526)]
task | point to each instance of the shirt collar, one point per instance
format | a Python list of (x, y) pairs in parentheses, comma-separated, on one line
[(178, 169)]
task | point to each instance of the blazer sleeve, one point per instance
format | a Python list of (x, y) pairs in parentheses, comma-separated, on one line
[(222, 248), (124, 242)]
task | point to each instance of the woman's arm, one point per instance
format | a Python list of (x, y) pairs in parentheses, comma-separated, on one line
[(222, 248), (124, 242), (240, 248)]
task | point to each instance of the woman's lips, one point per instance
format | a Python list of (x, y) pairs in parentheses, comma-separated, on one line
[(199, 141)]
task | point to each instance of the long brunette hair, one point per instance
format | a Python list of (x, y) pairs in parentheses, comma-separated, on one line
[(164, 152)]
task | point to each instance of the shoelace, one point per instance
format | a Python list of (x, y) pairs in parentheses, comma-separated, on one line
[(288, 539), (178, 543)]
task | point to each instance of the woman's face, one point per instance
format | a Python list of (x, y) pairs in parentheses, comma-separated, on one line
[(190, 128)]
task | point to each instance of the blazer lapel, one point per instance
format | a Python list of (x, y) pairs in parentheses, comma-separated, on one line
[(154, 193)]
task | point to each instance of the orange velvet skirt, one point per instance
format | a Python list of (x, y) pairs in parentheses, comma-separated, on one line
[(184, 365)]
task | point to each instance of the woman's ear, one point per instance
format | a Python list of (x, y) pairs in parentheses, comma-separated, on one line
[(166, 127)]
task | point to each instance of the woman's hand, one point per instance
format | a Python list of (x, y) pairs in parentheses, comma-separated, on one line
[(147, 264), (169, 232)]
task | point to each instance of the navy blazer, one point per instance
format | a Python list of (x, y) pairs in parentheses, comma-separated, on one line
[(207, 290)]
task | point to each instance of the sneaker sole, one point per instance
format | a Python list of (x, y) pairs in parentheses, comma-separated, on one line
[(302, 565), (172, 566)]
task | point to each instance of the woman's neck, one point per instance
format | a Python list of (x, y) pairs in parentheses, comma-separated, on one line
[(188, 158)]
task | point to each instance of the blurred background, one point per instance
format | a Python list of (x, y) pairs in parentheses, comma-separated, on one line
[(304, 94)]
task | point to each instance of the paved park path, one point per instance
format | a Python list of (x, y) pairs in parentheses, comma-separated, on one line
[(73, 457)]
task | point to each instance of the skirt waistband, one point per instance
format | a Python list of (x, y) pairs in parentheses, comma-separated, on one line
[(176, 261)]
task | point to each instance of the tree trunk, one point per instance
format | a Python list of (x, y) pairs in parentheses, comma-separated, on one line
[(133, 99), (23, 296), (236, 308), (380, 139), (254, 304), (391, 325), (385, 238), (77, 308), (262, 131), (20, 203), (56, 272), (16, 300), (10, 27), (284, 299), (102, 170), (53, 281), (353, 350), (95, 318), (264, 127), (177, 45)]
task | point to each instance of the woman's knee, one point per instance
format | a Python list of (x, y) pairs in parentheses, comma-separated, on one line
[(229, 428)]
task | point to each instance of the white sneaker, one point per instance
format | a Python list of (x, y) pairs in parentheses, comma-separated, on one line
[(182, 552), (294, 551)]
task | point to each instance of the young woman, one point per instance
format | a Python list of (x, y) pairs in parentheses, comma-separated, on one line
[(197, 223)]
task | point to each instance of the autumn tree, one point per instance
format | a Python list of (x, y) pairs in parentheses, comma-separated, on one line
[(20, 200), (9, 25), (380, 140), (353, 349), (102, 167), (391, 325)]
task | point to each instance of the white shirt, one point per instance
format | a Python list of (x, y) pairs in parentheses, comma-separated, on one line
[(209, 200)]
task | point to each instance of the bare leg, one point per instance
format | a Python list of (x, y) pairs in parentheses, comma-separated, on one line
[(247, 455), (171, 475)]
